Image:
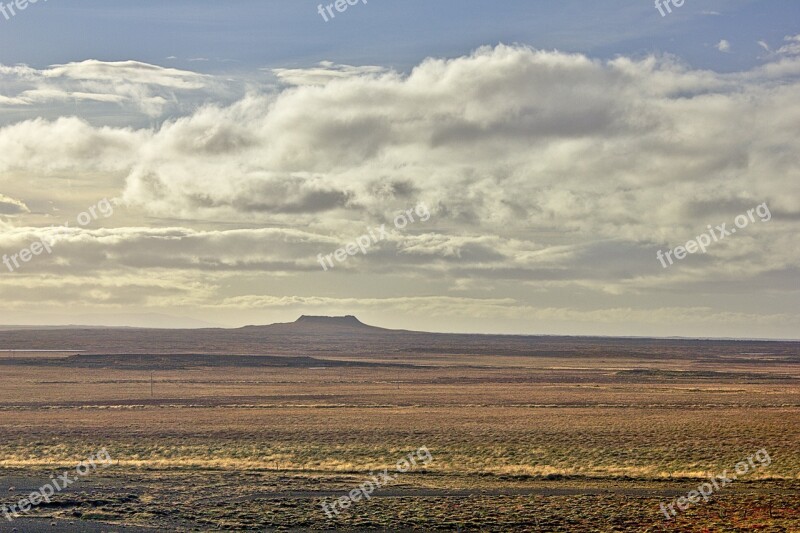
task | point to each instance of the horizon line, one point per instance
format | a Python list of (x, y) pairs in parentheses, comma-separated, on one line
[(11, 327)]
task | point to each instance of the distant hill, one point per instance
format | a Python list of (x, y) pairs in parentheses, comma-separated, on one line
[(316, 325)]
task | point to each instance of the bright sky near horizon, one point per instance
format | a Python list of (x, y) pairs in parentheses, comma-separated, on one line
[(557, 147)]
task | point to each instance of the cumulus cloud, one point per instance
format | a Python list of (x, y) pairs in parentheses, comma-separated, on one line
[(542, 170), (502, 139), (723, 46), (40, 147)]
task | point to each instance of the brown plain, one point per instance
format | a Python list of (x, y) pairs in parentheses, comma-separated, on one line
[(251, 429)]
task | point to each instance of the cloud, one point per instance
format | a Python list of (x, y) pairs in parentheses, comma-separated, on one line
[(149, 89), (67, 145), (545, 172), (12, 206), (792, 46), (324, 73), (723, 46), (780, 56)]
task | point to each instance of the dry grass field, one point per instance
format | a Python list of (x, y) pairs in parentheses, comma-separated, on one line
[(555, 437)]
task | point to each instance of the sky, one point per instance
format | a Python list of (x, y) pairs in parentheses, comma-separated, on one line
[(522, 167)]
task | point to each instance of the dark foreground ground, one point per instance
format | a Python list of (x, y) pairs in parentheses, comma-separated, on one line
[(235, 502), (566, 436)]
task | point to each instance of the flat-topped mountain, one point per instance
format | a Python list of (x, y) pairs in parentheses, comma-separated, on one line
[(347, 320), (318, 325)]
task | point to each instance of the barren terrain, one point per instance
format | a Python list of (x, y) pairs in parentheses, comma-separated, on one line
[(252, 429)]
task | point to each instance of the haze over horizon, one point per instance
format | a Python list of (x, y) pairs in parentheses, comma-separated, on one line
[(556, 149)]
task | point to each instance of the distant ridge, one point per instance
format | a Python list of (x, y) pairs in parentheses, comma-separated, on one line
[(312, 336)]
